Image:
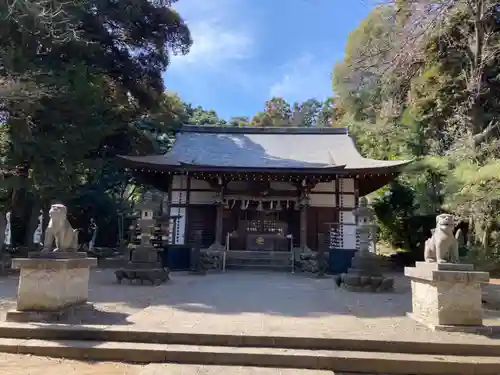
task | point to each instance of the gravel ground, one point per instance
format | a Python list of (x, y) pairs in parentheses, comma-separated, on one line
[(252, 303), (235, 303), (15, 364)]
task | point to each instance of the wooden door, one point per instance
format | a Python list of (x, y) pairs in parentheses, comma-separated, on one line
[(202, 217)]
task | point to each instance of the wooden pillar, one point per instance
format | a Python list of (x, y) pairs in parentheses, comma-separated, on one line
[(304, 202), (217, 245)]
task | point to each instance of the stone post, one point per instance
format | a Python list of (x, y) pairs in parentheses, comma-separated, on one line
[(447, 296), (320, 257)]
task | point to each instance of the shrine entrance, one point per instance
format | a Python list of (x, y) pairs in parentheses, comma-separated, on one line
[(261, 227)]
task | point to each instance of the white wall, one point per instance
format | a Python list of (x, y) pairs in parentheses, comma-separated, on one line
[(348, 237), (177, 237)]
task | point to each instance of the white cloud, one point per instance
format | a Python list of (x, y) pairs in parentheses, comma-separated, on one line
[(303, 78), (219, 35)]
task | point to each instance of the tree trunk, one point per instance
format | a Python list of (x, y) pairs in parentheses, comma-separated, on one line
[(3, 224), (485, 238), (32, 223)]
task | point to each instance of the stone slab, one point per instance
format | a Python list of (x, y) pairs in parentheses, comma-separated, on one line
[(444, 266), (452, 276), (57, 254), (53, 263)]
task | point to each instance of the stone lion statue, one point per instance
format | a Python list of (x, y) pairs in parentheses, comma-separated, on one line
[(442, 247), (60, 230)]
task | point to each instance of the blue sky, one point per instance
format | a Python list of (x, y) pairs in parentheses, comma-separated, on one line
[(246, 51)]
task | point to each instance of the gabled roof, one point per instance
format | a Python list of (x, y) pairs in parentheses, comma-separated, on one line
[(288, 148)]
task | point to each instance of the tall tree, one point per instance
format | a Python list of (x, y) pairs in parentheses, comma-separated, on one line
[(90, 69)]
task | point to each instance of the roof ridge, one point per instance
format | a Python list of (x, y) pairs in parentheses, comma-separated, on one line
[(260, 130)]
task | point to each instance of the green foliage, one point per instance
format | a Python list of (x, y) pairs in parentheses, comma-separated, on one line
[(81, 83), (392, 205), (310, 113), (431, 99)]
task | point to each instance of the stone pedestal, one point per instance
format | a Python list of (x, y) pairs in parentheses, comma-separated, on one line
[(365, 275), (50, 286), (447, 296), (144, 266)]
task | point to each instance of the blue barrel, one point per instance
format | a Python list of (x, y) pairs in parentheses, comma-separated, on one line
[(176, 258), (339, 260)]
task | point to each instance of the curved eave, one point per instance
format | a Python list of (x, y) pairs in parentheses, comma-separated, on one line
[(370, 180), (215, 168), (162, 163)]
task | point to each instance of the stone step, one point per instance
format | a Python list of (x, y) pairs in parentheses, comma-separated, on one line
[(270, 260), (264, 262), (235, 254), (342, 360), (94, 333), (259, 267), (177, 369)]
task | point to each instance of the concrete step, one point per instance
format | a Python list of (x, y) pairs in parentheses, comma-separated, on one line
[(26, 331), (345, 361)]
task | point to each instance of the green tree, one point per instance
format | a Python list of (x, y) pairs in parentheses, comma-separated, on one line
[(90, 70)]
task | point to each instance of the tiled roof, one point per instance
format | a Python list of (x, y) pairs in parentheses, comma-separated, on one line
[(264, 148)]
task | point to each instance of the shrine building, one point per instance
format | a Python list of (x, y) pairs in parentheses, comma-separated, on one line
[(239, 189)]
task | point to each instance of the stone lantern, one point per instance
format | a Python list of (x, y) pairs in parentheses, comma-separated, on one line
[(365, 229), (365, 273), (144, 264)]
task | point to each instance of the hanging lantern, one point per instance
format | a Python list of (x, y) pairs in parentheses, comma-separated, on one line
[(296, 206), (287, 204), (271, 205), (259, 206), (226, 204), (278, 206), (243, 206)]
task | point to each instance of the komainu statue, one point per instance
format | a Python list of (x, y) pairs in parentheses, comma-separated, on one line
[(442, 247), (60, 230)]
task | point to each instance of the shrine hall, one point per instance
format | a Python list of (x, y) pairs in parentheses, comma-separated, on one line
[(258, 190)]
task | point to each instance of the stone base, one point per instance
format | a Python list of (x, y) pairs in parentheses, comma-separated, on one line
[(40, 316), (57, 255), (365, 275), (50, 285), (216, 247), (155, 276), (478, 329), (367, 284), (445, 295), (211, 260)]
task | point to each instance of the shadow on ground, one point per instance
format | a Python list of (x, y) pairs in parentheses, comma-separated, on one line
[(269, 293)]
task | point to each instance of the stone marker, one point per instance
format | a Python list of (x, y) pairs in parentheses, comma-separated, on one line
[(52, 282), (446, 295)]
